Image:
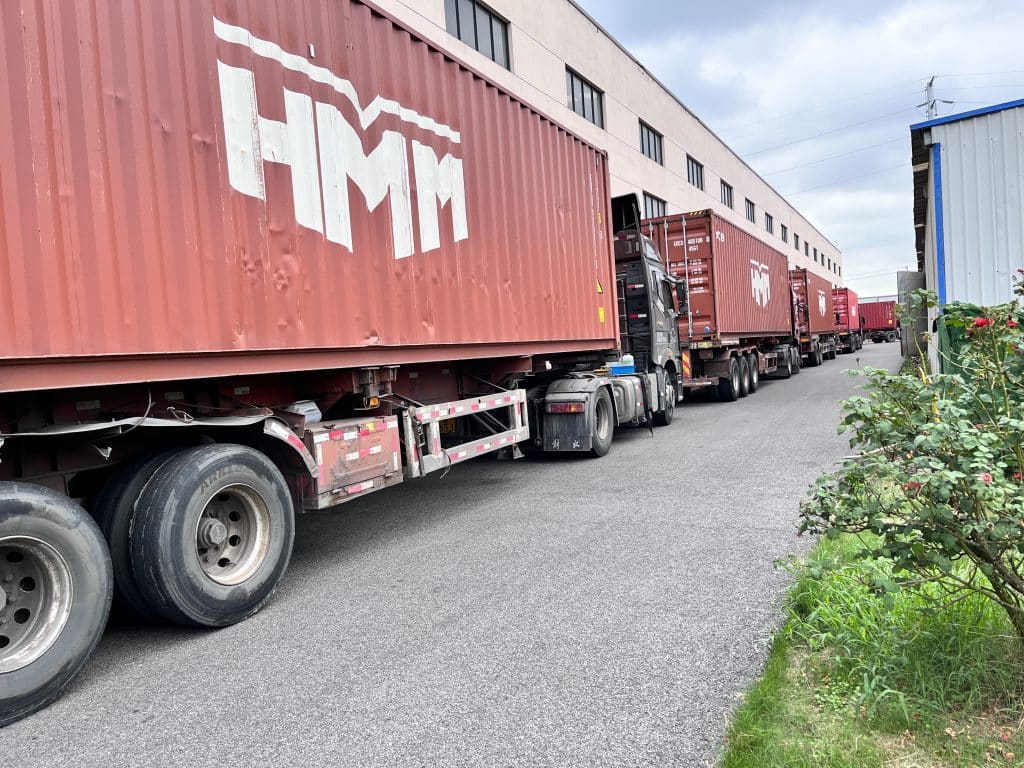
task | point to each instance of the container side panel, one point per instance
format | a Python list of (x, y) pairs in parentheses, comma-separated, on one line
[(879, 315), (235, 176)]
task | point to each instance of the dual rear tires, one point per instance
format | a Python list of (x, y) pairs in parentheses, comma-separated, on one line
[(743, 378), (199, 537)]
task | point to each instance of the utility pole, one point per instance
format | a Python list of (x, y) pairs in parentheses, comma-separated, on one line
[(930, 101)]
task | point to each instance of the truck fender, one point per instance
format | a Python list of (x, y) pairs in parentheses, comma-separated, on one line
[(571, 389)]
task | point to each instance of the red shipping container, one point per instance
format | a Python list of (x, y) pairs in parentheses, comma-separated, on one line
[(847, 310), (879, 315), (211, 187), (739, 285), (812, 302)]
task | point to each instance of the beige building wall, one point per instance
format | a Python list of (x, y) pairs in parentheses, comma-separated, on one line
[(546, 36)]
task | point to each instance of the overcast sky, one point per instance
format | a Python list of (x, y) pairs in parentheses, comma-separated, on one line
[(789, 85)]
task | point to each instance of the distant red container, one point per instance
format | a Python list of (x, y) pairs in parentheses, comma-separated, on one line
[(879, 315), (847, 310), (213, 187), (739, 285)]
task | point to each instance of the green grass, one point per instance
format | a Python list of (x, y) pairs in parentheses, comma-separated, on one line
[(856, 680)]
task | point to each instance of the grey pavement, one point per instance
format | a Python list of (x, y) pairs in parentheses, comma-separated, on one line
[(567, 612)]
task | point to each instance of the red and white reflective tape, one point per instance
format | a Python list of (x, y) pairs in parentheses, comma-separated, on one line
[(359, 487), (460, 455), (341, 434)]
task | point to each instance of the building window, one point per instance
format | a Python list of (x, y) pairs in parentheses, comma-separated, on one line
[(807, 250), (784, 233), (816, 257), (727, 194), (478, 26), (796, 241), (650, 143), (694, 172), (829, 263), (769, 223), (839, 269), (584, 98), (751, 215), (653, 206)]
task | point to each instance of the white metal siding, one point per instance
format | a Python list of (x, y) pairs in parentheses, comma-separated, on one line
[(982, 204)]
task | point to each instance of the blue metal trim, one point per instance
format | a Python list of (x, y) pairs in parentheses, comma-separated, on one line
[(940, 242), (965, 115)]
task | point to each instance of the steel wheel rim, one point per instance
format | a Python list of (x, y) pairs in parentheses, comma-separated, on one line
[(670, 398), (753, 372), (233, 535), (37, 593)]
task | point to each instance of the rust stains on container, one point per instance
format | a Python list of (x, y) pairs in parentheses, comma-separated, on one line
[(738, 285), (212, 181)]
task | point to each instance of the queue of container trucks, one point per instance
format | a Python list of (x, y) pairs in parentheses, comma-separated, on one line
[(254, 270)]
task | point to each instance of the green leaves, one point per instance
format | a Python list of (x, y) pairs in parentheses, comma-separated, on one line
[(938, 470)]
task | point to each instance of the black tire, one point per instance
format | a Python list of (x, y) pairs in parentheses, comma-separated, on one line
[(729, 386), (113, 510), (181, 504), (814, 357), (797, 360), (890, 337), (755, 374), (603, 428), (664, 417), (79, 569), (744, 376)]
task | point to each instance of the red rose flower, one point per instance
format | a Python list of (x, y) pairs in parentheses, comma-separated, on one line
[(1012, 323), (981, 322), (986, 478)]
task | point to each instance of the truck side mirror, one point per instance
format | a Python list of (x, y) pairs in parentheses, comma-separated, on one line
[(682, 297)]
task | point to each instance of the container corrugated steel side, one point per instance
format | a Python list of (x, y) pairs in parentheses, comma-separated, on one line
[(195, 178), (812, 297), (878, 315), (738, 285), (847, 310)]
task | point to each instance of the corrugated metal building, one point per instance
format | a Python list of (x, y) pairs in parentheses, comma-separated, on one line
[(969, 204)]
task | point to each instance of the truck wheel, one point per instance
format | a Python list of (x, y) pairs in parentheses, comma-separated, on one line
[(604, 424), (755, 374), (212, 535), (664, 417), (113, 510), (890, 337), (729, 386), (744, 376), (55, 597), (797, 360)]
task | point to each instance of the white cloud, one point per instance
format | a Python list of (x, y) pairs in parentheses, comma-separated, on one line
[(800, 71)]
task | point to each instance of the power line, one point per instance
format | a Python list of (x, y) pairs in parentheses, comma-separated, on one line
[(843, 181), (810, 110), (982, 74), (826, 133), (833, 157)]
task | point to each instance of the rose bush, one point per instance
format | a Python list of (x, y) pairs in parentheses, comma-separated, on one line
[(938, 468)]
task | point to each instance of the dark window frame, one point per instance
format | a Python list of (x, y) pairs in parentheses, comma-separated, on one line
[(769, 223), (584, 98), (654, 206), (652, 143), (492, 42), (751, 210), (726, 194), (784, 233), (695, 172)]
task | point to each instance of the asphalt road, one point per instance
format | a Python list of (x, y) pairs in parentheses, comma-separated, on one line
[(567, 612)]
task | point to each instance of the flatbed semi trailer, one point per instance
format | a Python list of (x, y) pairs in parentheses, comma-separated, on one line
[(257, 263)]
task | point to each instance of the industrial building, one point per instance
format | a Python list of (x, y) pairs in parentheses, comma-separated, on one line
[(969, 204), (552, 54)]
